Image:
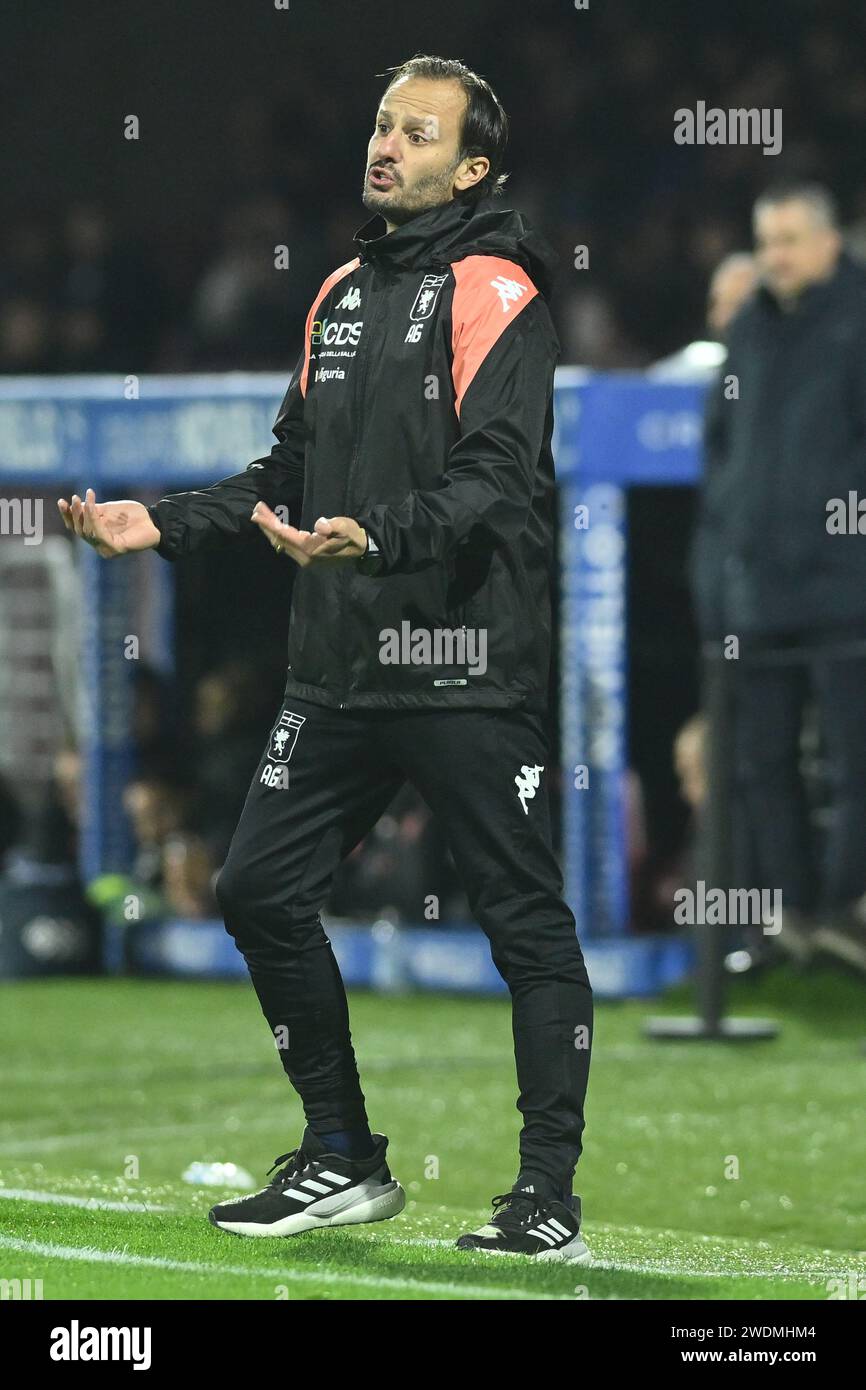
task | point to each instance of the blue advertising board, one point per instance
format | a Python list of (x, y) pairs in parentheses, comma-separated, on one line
[(160, 434)]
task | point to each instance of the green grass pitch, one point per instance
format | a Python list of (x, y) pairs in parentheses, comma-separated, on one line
[(105, 1079)]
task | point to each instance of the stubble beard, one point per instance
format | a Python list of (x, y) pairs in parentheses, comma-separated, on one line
[(430, 192)]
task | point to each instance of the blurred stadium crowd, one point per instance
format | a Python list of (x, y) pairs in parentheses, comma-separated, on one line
[(193, 771), (96, 286)]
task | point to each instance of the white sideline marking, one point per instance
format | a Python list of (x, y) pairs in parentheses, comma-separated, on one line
[(684, 1272), (430, 1242), (63, 1199), (635, 1266), (49, 1142), (90, 1255)]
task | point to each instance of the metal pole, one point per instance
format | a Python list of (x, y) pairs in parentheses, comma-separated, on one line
[(715, 865)]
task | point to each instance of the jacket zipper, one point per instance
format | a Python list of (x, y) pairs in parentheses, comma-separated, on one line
[(364, 355)]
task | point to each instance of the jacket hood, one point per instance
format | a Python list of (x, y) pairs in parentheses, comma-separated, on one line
[(455, 230)]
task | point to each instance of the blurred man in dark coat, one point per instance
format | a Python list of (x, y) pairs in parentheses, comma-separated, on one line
[(786, 446)]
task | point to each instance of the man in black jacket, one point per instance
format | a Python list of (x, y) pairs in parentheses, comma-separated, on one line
[(415, 436), (786, 445)]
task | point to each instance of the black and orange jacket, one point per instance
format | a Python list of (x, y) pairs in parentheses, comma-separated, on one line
[(422, 406)]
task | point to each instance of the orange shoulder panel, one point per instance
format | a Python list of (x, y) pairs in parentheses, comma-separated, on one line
[(333, 279), (489, 293)]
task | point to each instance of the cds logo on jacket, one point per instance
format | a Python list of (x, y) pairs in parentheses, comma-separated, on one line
[(422, 406), (323, 332)]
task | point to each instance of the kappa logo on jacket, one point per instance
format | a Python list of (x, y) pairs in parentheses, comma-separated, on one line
[(509, 291), (351, 299)]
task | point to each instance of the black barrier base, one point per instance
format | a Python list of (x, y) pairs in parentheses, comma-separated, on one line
[(701, 1030)]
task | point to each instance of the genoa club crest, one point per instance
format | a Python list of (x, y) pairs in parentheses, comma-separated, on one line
[(425, 299), (284, 737)]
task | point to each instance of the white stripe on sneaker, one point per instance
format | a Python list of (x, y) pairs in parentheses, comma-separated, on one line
[(545, 1227), (543, 1235), (334, 1177), (298, 1195), (312, 1186), (558, 1226)]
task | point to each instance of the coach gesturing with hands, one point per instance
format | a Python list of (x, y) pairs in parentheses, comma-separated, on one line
[(415, 437)]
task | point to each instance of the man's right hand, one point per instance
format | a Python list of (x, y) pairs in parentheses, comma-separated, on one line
[(112, 528)]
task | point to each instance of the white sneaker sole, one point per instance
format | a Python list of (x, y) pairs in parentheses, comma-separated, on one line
[(574, 1252), (366, 1202)]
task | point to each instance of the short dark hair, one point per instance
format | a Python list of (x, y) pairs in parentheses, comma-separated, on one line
[(485, 125), (814, 195)]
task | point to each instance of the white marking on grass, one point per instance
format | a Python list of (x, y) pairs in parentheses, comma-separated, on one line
[(680, 1271), (685, 1271), (64, 1199), (49, 1142), (279, 1275)]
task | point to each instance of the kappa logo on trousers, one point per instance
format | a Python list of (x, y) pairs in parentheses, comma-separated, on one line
[(527, 782)]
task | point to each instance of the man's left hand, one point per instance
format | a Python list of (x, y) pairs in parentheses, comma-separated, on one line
[(333, 538)]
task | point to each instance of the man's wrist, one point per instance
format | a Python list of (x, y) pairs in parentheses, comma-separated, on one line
[(371, 560), (153, 513)]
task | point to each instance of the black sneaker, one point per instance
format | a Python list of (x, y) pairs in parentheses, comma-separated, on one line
[(527, 1223), (313, 1190)]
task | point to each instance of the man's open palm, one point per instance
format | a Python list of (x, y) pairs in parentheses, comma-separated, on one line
[(112, 528), (334, 538)]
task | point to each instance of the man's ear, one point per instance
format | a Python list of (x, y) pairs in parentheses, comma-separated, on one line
[(471, 171)]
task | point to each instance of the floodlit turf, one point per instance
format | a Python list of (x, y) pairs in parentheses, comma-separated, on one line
[(103, 1079)]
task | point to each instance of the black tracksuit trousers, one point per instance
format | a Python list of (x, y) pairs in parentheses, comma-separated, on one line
[(770, 700), (325, 779)]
